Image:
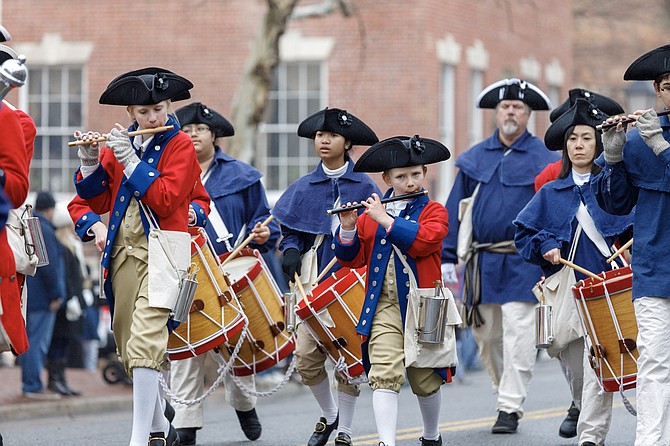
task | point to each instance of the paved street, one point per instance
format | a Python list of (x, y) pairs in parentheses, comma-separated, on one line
[(289, 415)]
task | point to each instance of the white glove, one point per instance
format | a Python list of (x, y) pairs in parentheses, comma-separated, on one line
[(651, 132), (118, 141), (613, 141), (449, 273), (73, 309), (89, 154)]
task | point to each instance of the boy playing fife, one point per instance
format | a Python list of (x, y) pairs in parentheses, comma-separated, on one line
[(416, 228)]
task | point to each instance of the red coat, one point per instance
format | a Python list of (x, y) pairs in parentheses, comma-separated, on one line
[(16, 146), (550, 173)]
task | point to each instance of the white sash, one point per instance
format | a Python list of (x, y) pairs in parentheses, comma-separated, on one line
[(589, 227), (214, 218)]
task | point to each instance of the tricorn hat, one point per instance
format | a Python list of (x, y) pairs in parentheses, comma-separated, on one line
[(401, 151), (145, 87), (4, 34), (199, 113), (7, 53), (338, 121), (605, 104), (582, 112), (649, 66), (513, 89)]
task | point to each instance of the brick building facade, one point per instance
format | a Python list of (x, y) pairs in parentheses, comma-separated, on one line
[(404, 67)]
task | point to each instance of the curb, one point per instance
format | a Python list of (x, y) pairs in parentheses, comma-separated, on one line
[(65, 407)]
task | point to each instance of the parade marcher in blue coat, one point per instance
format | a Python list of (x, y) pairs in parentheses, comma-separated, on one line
[(4, 209), (546, 229), (498, 282), (301, 212), (415, 228), (636, 175), (238, 206)]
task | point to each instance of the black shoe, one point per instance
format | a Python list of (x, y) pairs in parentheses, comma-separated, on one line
[(437, 442), (322, 432), (250, 424), (506, 423), (343, 439), (158, 438), (588, 443), (169, 412), (568, 427), (186, 436)]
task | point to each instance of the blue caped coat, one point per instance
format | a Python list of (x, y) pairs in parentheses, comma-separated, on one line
[(507, 185), (548, 221), (642, 181)]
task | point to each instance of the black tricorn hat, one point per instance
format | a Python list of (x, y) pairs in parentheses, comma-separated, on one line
[(199, 113), (582, 112), (338, 121), (605, 104), (7, 53), (649, 66), (401, 151), (4, 34), (513, 89), (146, 86)]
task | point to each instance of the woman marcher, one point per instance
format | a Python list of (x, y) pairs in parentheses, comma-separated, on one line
[(132, 178), (564, 221)]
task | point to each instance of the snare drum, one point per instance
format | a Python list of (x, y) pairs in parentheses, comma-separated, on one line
[(267, 342), (215, 315), (331, 315), (608, 316)]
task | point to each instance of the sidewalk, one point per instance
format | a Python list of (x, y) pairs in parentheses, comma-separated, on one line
[(96, 395)]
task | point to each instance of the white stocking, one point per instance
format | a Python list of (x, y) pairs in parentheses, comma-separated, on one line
[(385, 407), (324, 397), (347, 405), (145, 394), (430, 413)]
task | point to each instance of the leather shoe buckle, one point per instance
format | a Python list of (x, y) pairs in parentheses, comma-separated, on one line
[(320, 427)]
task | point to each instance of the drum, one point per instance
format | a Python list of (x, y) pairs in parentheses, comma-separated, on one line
[(267, 342), (215, 315), (331, 314), (608, 316)]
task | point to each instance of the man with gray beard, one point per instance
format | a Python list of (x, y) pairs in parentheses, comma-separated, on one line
[(497, 297)]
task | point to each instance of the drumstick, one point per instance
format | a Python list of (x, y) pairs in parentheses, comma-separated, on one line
[(618, 252), (332, 263), (581, 270), (81, 142), (296, 277), (246, 241)]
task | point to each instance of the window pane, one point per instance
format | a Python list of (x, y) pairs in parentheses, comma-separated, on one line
[(74, 82), (54, 119), (55, 85), (34, 82), (293, 111), (74, 115), (314, 77), (293, 144), (273, 145), (293, 77), (273, 178), (35, 112), (313, 106), (271, 112)]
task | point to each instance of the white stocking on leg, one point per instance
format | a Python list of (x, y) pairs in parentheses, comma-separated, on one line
[(324, 397), (385, 407), (145, 394), (347, 404), (430, 413)]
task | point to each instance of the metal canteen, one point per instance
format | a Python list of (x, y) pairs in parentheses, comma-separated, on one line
[(13, 74)]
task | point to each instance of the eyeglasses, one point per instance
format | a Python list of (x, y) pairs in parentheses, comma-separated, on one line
[(199, 129)]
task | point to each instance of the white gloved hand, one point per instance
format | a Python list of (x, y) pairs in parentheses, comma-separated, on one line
[(89, 154), (651, 132), (449, 273), (118, 141), (613, 141)]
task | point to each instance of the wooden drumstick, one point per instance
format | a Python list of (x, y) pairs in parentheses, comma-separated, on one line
[(81, 142), (618, 252), (298, 283), (246, 241), (332, 263), (581, 270)]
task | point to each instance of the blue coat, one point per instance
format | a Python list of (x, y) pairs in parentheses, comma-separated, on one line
[(507, 185), (548, 221), (239, 197), (642, 180), (4, 209), (301, 210), (48, 283)]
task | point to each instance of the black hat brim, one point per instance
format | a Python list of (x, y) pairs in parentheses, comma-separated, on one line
[(146, 86), (401, 151), (7, 53), (605, 104), (513, 89), (649, 66), (338, 121), (581, 113), (4, 34), (199, 113)]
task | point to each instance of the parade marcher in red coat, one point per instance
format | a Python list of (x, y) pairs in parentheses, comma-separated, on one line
[(159, 171), (416, 227)]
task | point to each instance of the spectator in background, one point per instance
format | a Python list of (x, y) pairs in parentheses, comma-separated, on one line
[(46, 291), (70, 316)]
